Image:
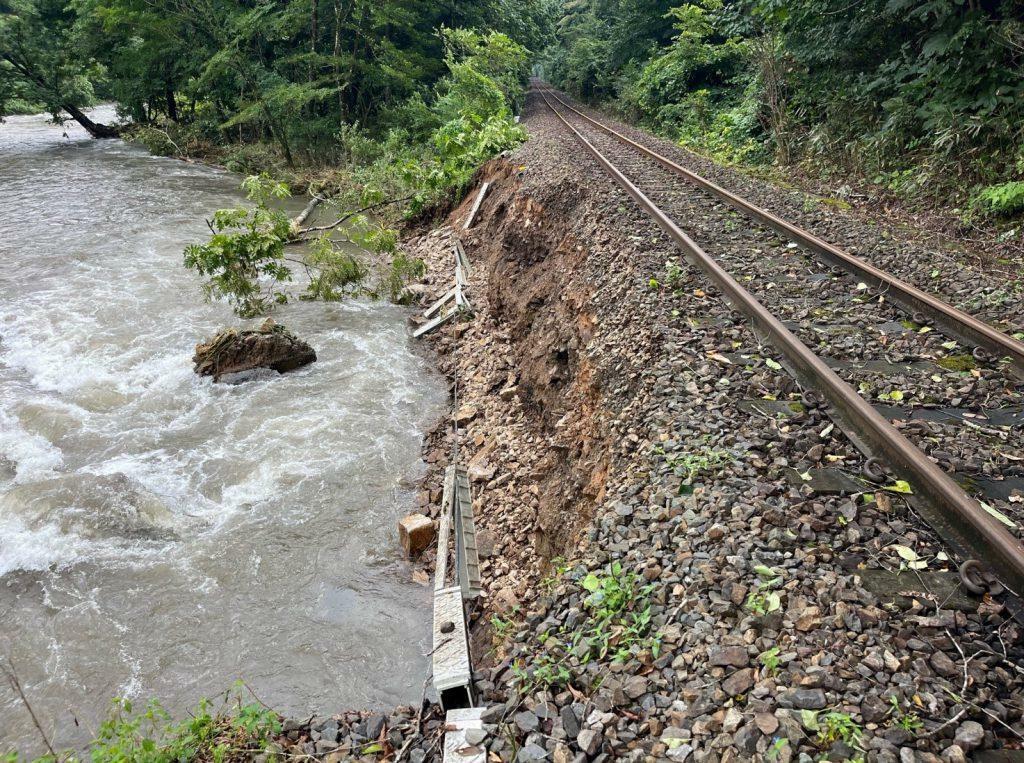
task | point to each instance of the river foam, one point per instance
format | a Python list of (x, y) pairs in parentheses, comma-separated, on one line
[(163, 535)]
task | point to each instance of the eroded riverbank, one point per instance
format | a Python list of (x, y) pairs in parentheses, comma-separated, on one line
[(606, 420)]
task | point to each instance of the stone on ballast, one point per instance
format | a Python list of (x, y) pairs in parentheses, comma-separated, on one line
[(728, 655), (969, 735), (804, 699), (527, 721), (739, 682), (531, 752), (415, 533), (465, 414), (589, 741), (942, 664), (570, 722)]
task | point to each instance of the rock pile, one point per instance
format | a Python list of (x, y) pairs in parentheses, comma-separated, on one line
[(361, 735)]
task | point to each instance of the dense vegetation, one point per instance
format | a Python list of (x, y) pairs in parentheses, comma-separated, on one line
[(924, 97), (383, 106)]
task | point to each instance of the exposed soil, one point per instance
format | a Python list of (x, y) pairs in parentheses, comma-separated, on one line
[(608, 419)]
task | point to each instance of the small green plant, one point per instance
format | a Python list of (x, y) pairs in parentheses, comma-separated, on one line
[(764, 599), (769, 659), (547, 670), (690, 466), (908, 720), (502, 628), (774, 751), (558, 569), (674, 274), (620, 612), (839, 727)]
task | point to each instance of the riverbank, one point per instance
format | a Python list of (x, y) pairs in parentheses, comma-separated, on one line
[(612, 447), (656, 585)]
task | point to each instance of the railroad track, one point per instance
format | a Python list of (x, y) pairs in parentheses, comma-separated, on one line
[(790, 289)]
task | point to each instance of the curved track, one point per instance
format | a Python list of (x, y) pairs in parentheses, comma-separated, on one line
[(653, 181)]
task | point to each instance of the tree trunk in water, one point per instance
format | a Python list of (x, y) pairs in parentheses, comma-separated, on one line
[(95, 129)]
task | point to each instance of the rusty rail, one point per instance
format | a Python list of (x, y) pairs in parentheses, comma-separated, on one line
[(960, 519), (953, 321)]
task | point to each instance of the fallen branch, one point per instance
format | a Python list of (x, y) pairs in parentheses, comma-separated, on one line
[(302, 216), (300, 234), (12, 679)]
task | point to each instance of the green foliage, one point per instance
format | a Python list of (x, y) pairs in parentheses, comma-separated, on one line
[(1002, 200), (837, 727), (911, 93), (234, 730), (770, 660), (402, 271), (243, 261), (764, 599), (40, 58), (617, 625), (620, 613), (690, 466), (908, 720)]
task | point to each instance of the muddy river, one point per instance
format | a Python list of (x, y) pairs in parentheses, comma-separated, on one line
[(162, 536)]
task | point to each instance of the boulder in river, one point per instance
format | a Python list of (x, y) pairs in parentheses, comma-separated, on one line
[(270, 346)]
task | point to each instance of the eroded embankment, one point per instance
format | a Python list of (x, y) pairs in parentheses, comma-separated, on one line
[(541, 398), (715, 605)]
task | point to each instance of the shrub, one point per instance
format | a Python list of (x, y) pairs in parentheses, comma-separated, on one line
[(1002, 200)]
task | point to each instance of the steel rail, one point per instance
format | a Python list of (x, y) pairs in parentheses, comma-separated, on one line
[(964, 522), (953, 321)]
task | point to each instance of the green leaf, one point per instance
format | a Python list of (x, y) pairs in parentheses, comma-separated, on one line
[(906, 553), (591, 583), (900, 486), (809, 719), (773, 364), (998, 515)]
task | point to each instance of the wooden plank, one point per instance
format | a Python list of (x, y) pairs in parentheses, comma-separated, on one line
[(476, 206), (460, 252), (426, 328), (456, 748), (448, 297), (443, 534), (451, 650)]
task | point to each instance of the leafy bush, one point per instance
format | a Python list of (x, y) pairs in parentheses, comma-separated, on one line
[(244, 259), (1003, 200), (909, 91), (235, 730)]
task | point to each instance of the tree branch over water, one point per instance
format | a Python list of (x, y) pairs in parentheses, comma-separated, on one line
[(12, 678)]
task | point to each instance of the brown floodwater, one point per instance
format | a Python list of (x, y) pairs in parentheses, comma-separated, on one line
[(162, 536)]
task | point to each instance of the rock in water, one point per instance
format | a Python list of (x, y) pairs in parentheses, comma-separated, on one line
[(232, 351)]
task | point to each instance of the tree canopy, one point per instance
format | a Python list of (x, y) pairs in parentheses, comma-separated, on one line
[(920, 95), (288, 70)]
